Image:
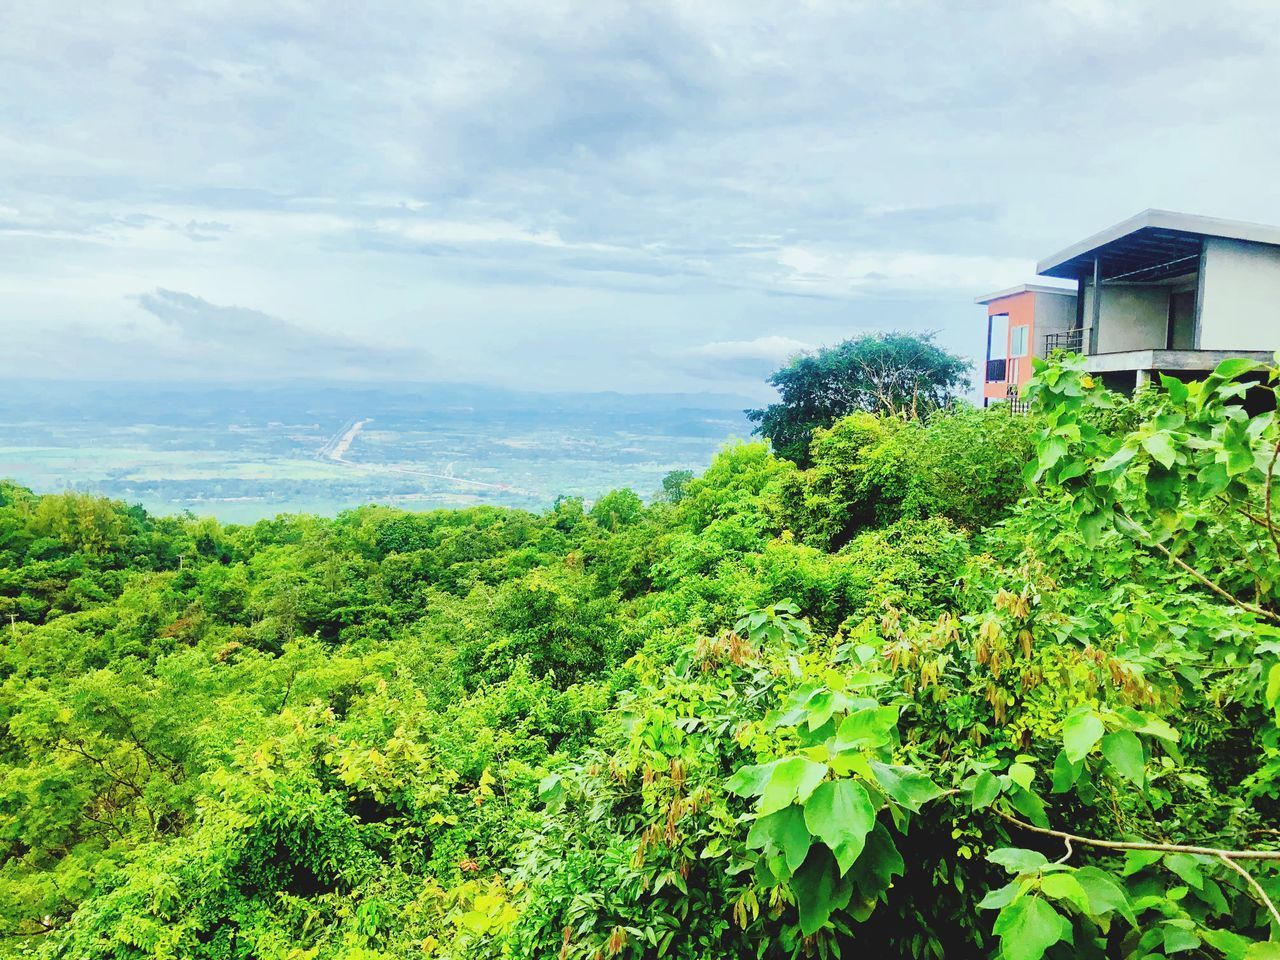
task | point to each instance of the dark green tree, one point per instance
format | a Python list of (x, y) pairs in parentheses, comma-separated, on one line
[(895, 373), (674, 484)]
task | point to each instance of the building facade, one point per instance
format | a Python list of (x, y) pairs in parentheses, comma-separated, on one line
[(1019, 322), (1170, 293)]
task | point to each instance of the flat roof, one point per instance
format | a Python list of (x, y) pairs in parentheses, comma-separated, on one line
[(1152, 245), (1027, 288)]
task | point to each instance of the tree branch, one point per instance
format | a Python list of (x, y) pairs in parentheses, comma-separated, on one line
[(1196, 574), (1231, 855), (1225, 594), (1257, 887)]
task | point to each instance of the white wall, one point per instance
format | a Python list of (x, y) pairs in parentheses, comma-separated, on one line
[(1240, 300), (1133, 318), (1054, 314)]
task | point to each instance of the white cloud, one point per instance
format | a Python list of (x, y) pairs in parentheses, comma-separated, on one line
[(774, 349), (561, 193), (841, 273)]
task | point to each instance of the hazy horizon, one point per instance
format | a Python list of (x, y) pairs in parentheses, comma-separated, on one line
[(242, 452)]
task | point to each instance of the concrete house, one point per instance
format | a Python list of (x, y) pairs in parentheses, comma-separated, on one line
[(1170, 293), (1020, 322)]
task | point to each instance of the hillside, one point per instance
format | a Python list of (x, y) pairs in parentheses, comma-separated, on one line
[(782, 712)]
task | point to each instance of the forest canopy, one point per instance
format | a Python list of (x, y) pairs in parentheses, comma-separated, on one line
[(965, 684)]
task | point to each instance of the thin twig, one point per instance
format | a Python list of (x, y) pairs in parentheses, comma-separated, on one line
[(1144, 844), (1257, 887), (1225, 594), (1066, 856), (1192, 571), (1271, 470)]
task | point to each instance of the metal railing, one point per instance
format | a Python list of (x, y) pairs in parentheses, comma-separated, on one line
[(995, 371), (1015, 403), (1072, 341)]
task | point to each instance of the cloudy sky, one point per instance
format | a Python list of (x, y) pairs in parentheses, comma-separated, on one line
[(586, 195)]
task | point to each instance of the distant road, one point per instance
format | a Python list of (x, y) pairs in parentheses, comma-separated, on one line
[(335, 449), (344, 444)]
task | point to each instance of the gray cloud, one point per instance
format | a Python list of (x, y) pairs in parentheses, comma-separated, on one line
[(196, 339), (735, 364)]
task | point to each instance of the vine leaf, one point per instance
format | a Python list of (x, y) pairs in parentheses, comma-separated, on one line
[(985, 790), (1017, 860), (879, 864)]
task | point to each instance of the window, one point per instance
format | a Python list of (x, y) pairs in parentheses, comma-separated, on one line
[(997, 335), (1018, 342)]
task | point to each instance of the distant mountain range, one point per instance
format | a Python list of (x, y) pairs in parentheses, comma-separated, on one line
[(187, 401)]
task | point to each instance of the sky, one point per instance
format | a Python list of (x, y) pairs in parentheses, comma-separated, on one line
[(648, 196)]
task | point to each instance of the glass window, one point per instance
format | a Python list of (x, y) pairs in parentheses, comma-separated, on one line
[(997, 335), (1018, 342)]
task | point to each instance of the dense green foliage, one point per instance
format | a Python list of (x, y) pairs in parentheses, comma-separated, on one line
[(783, 712), (898, 374)]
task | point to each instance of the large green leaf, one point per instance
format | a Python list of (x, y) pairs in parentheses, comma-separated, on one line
[(819, 890), (1179, 936), (1001, 896), (1081, 731), (792, 779), (867, 728), (879, 864), (1118, 459), (1263, 951), (750, 781), (1064, 886), (1028, 927), (1017, 860), (1065, 773), (1104, 892), (986, 787), (1232, 945), (1161, 449), (906, 785), (1233, 367), (782, 832), (1123, 750), (1187, 868), (1028, 804), (1176, 388), (840, 814)]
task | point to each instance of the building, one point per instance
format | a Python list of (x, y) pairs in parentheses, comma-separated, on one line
[(1020, 321), (1170, 293)]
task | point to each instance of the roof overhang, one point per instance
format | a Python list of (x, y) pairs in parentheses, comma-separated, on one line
[(1154, 245), (1027, 288)]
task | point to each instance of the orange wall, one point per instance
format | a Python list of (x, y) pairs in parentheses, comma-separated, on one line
[(1021, 308)]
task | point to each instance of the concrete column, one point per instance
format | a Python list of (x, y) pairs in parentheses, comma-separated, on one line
[(1097, 305)]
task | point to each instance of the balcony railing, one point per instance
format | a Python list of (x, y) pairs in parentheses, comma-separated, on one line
[(995, 371), (1071, 340)]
